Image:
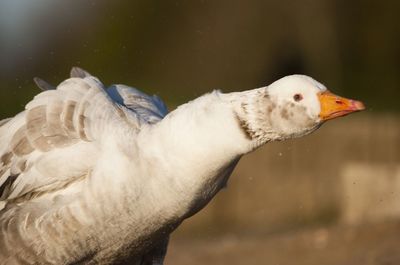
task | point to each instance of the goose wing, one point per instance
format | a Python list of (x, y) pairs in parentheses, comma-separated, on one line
[(54, 141), (151, 109)]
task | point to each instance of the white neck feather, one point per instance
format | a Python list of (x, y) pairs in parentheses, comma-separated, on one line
[(197, 144)]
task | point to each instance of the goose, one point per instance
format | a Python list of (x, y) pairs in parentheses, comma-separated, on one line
[(95, 175)]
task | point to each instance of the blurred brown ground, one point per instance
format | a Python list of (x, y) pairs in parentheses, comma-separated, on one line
[(287, 203), (369, 244)]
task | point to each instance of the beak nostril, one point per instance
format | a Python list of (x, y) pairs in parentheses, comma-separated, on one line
[(339, 102)]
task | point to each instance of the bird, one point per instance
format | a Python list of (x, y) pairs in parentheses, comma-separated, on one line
[(103, 175)]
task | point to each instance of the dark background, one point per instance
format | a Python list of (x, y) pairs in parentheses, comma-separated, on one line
[(182, 49)]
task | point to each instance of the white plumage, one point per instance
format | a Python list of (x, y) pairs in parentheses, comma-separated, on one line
[(102, 176)]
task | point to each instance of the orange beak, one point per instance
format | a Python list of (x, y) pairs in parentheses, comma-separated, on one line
[(333, 106)]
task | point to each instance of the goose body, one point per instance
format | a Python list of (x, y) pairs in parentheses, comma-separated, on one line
[(90, 175)]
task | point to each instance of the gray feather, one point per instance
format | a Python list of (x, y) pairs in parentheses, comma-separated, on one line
[(43, 85), (79, 72)]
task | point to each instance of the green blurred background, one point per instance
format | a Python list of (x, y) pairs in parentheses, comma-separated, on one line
[(330, 198), (181, 49)]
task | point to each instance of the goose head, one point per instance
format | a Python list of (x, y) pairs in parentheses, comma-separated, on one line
[(291, 107)]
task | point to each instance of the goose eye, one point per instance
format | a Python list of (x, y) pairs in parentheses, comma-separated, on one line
[(297, 97)]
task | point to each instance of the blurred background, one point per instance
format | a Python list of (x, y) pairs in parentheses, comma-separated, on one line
[(330, 198)]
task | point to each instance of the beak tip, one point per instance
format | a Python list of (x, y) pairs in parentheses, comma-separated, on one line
[(358, 105)]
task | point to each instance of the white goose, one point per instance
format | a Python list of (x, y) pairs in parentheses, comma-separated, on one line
[(96, 176)]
